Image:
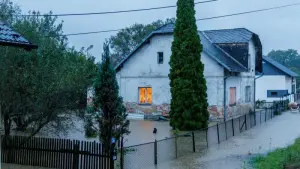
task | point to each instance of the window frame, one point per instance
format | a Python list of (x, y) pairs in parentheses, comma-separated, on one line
[(139, 90), (158, 58), (232, 104), (247, 94)]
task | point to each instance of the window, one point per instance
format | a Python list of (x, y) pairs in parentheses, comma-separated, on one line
[(274, 94), (232, 100), (247, 94), (160, 57), (145, 95), (277, 93), (293, 88)]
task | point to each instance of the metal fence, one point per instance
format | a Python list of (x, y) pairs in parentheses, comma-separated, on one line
[(150, 154)]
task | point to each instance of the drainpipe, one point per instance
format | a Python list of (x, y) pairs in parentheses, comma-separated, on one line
[(255, 89), (224, 103)]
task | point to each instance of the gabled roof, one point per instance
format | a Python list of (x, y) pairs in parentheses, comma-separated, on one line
[(8, 37), (209, 40), (279, 66)]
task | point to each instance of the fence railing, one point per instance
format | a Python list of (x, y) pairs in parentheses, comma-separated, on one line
[(150, 154), (54, 153)]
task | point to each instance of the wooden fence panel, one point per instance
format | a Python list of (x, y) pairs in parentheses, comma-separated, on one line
[(54, 153)]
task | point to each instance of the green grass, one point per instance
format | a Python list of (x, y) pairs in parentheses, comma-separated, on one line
[(280, 158)]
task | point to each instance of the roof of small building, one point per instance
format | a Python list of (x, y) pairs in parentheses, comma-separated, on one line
[(209, 40), (9, 37), (279, 66)]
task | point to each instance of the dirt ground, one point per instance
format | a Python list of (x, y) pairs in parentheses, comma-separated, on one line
[(13, 166)]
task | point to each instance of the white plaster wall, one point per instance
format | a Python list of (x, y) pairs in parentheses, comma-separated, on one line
[(240, 83), (244, 79), (142, 70), (269, 83)]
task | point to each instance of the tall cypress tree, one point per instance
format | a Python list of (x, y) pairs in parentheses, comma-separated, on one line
[(187, 82), (112, 119)]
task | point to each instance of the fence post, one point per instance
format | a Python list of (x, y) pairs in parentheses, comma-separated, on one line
[(260, 116), (76, 154), (218, 133), (122, 155), (225, 129), (207, 137), (255, 118), (265, 115), (232, 127), (194, 148), (240, 124), (246, 122), (176, 145), (155, 152)]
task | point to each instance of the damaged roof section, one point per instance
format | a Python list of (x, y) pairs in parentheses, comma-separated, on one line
[(214, 41)]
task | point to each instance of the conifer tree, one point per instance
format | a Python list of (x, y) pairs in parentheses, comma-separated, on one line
[(113, 117), (187, 82)]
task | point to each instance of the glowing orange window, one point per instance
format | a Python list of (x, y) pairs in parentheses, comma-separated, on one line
[(145, 95)]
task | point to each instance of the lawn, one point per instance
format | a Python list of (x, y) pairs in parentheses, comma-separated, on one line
[(283, 158)]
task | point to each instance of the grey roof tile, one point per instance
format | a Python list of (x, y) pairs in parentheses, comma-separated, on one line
[(238, 35)]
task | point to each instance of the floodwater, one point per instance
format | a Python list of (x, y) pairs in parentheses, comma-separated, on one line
[(236, 152), (141, 132)]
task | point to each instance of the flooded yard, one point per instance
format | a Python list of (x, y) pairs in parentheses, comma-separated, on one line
[(237, 151)]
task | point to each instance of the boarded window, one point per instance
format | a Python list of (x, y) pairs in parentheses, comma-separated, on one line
[(247, 94), (160, 57), (145, 95), (232, 100)]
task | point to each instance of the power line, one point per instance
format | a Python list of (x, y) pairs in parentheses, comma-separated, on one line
[(201, 19), (115, 12), (243, 13), (95, 32)]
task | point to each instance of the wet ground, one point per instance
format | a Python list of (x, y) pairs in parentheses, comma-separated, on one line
[(233, 153)]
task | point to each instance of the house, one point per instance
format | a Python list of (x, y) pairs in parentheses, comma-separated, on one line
[(275, 82), (230, 56)]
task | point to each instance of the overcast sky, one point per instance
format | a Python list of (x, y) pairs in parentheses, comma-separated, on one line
[(278, 29)]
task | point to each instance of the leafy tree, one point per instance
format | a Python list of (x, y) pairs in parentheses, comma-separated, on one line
[(43, 87), (128, 38), (112, 119), (187, 82), (285, 57)]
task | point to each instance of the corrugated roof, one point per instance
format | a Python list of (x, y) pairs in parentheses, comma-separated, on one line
[(12, 38), (208, 38), (237, 35), (280, 66)]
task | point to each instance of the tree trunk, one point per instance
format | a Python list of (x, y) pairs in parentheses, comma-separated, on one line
[(7, 125), (21, 126)]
